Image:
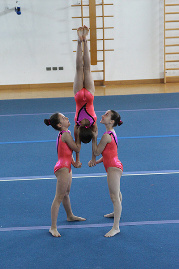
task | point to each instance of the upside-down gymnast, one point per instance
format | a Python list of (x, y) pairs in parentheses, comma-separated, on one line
[(83, 87), (65, 146), (114, 168)]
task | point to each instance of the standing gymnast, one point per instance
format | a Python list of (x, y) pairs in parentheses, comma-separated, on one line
[(114, 168), (83, 87), (65, 146)]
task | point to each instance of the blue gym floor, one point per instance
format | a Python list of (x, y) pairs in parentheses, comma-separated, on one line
[(149, 150)]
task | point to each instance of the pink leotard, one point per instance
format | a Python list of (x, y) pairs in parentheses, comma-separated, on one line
[(84, 107), (64, 154), (110, 155)]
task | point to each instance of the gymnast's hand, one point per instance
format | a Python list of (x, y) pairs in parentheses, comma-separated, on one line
[(92, 163), (77, 164)]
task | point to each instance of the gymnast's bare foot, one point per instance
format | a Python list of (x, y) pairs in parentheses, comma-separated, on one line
[(85, 32), (112, 232), (110, 215), (80, 33), (54, 232), (75, 218)]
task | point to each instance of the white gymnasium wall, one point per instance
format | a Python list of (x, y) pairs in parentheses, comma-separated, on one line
[(42, 37)]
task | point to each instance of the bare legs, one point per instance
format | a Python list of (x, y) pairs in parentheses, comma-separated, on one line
[(88, 80), (78, 81), (113, 178), (83, 77), (64, 180), (111, 215)]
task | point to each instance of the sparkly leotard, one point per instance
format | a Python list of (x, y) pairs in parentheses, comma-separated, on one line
[(64, 154), (84, 107), (110, 156)]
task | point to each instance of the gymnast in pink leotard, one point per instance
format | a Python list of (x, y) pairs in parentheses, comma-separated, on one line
[(110, 156), (65, 146), (113, 166), (83, 87), (64, 153), (84, 107)]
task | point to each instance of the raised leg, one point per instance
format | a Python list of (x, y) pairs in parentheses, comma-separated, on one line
[(88, 79), (78, 80)]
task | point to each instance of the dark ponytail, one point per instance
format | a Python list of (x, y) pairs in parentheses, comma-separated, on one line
[(53, 121), (117, 118), (47, 122)]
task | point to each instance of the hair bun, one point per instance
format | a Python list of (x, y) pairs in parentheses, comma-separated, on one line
[(120, 122), (47, 122)]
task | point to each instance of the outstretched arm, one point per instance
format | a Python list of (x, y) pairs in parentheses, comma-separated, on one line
[(76, 134), (92, 162), (74, 145), (98, 149)]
